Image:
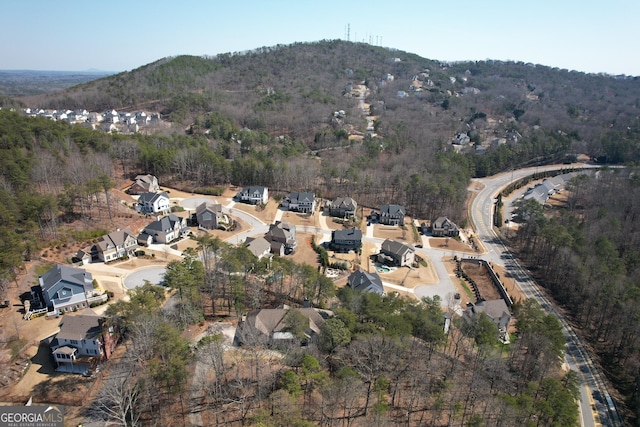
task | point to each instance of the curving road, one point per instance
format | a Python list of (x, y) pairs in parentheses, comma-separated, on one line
[(596, 406)]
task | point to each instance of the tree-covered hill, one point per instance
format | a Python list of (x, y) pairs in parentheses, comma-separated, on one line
[(541, 113)]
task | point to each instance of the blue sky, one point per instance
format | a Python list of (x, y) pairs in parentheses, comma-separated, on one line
[(118, 35)]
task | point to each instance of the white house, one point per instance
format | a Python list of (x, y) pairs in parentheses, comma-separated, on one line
[(254, 195), (153, 203)]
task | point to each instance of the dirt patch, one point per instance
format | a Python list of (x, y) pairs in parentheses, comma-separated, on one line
[(480, 275), (304, 252), (301, 219), (449, 244), (265, 214), (393, 233)]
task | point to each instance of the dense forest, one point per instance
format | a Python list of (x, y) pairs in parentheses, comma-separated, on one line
[(266, 117)]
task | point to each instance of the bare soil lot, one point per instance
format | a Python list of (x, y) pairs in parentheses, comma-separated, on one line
[(266, 214), (393, 233), (301, 219), (449, 244)]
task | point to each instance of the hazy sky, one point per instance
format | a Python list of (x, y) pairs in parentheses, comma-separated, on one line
[(117, 35)]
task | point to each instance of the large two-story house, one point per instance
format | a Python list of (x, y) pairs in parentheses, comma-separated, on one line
[(115, 245), (144, 184), (496, 310), (64, 288), (153, 203), (444, 227), (282, 237), (83, 341), (209, 216), (300, 202), (342, 207), (164, 230), (392, 215), (365, 282), (254, 195), (396, 253), (345, 240)]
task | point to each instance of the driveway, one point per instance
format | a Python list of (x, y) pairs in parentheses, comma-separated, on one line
[(154, 275)]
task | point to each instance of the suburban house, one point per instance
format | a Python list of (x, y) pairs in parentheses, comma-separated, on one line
[(164, 230), (254, 195), (346, 240), (115, 245), (83, 342), (396, 253), (272, 325), (259, 246), (343, 207), (144, 184), (209, 216), (547, 188), (391, 215), (153, 203), (300, 202), (365, 282), (282, 238), (64, 288), (496, 310), (444, 227)]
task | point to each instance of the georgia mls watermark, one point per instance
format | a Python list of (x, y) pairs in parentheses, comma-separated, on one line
[(32, 416)]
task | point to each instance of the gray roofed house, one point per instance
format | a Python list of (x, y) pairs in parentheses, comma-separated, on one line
[(150, 203), (443, 226), (115, 245), (345, 240), (144, 184), (64, 288), (282, 237), (209, 216), (271, 324), (365, 282), (82, 343), (497, 311), (392, 215), (258, 246), (254, 195), (166, 229), (342, 207), (300, 201), (399, 253)]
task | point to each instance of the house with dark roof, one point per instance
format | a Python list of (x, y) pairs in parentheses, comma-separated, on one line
[(115, 245), (164, 230), (444, 227), (391, 215), (345, 240), (396, 253), (496, 310), (209, 216), (254, 195), (144, 184), (271, 325), (153, 203), (365, 282), (342, 207), (300, 202), (83, 342), (64, 288), (282, 237)]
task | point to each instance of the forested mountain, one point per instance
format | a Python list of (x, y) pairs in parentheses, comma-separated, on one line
[(350, 119)]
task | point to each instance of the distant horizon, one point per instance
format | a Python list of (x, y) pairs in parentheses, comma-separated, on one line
[(450, 61), (571, 34)]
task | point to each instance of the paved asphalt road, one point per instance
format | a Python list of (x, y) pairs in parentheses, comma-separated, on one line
[(593, 389)]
